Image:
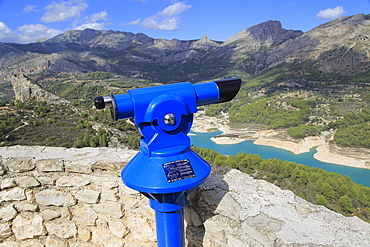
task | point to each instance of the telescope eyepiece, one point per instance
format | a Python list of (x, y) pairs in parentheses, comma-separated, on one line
[(99, 102), (102, 102)]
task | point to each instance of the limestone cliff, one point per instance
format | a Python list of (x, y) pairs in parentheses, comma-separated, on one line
[(25, 89), (74, 197)]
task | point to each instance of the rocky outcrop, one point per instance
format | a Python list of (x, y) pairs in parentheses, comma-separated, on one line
[(267, 34), (25, 89), (75, 197), (339, 46)]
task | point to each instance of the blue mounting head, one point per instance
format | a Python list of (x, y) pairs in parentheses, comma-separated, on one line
[(164, 115)]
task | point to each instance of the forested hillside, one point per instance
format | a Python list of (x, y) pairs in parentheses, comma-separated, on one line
[(305, 109)]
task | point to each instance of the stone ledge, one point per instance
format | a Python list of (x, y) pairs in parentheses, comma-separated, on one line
[(45, 204)]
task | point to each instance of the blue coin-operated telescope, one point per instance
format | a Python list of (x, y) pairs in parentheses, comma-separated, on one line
[(166, 170)]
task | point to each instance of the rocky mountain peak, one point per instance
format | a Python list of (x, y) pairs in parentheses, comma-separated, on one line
[(266, 33), (345, 21), (204, 42), (75, 36), (339, 46)]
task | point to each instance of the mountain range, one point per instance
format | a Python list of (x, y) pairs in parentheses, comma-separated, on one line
[(339, 47)]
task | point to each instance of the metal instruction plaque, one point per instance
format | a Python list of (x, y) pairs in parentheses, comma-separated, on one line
[(178, 170)]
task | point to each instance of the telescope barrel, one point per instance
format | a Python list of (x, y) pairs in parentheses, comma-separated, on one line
[(206, 93)]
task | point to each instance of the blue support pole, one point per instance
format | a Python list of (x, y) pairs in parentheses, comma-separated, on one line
[(169, 216), (170, 228)]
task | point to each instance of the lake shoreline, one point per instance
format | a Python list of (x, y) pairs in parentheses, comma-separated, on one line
[(326, 152)]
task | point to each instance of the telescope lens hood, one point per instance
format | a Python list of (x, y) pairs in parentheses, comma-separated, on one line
[(228, 88)]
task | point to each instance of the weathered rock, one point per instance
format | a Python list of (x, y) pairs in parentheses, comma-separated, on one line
[(63, 230), (117, 228), (84, 234), (27, 182), (72, 181), (140, 229), (8, 212), (88, 196), (31, 243), (46, 180), (5, 231), (24, 228), (192, 217), (49, 214), (102, 236), (15, 194), (215, 229), (2, 169), (108, 197), (66, 214), (233, 241), (106, 183), (84, 215), (54, 197), (50, 165), (79, 166), (9, 244), (26, 206), (54, 241), (228, 207), (109, 210), (19, 164), (109, 165), (8, 183)]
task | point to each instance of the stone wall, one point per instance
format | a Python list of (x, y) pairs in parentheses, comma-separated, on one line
[(75, 197)]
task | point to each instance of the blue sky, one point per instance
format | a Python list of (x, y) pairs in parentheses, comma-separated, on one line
[(24, 21)]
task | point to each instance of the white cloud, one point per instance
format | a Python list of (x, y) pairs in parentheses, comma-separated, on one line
[(56, 11), (26, 33), (99, 16), (168, 19), (96, 26), (132, 23), (29, 8), (63, 11), (174, 9), (5, 32), (167, 24), (31, 33), (92, 22), (330, 13)]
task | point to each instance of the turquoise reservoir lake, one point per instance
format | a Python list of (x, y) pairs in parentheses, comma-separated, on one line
[(360, 176)]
